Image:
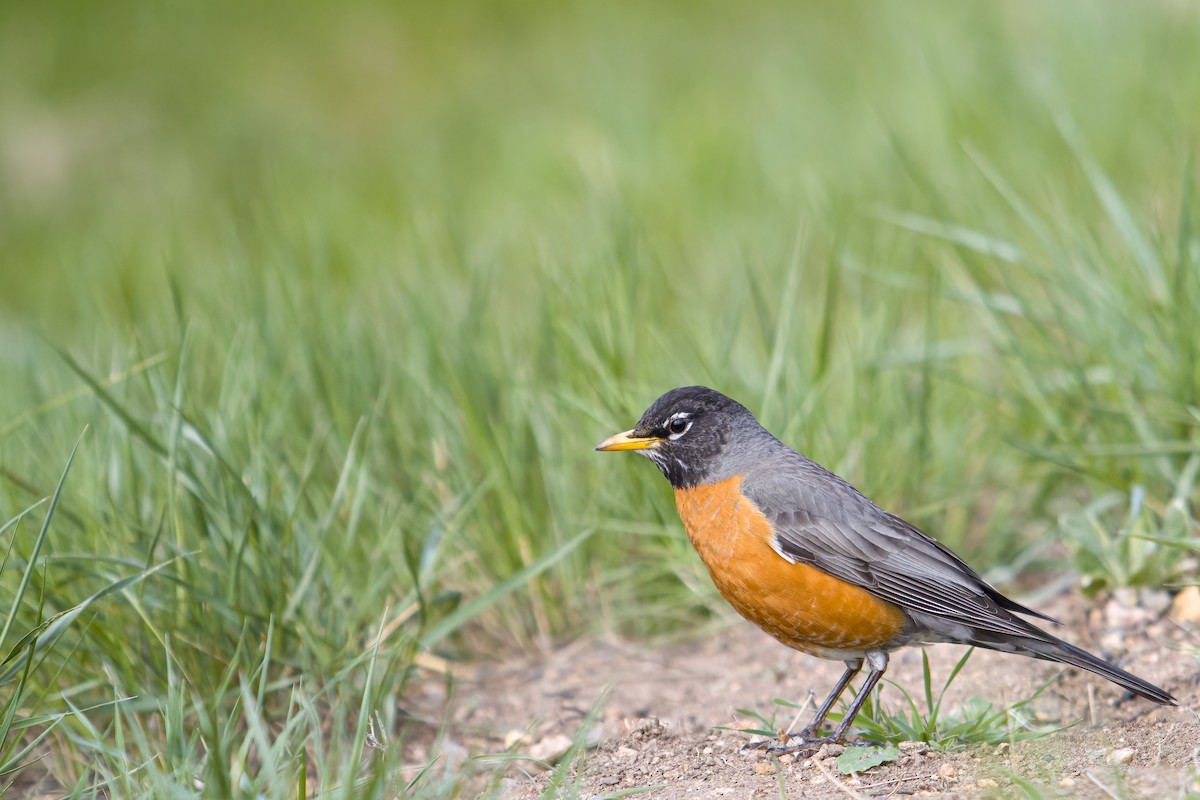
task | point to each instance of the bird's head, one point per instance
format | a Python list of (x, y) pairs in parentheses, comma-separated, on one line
[(687, 433)]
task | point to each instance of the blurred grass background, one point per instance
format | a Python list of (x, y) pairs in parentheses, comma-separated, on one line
[(343, 297)]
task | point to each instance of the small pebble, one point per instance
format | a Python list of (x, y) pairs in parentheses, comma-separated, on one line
[(1186, 607), (986, 783), (764, 768), (1121, 756), (551, 748), (1126, 608), (1067, 782), (609, 781), (947, 771)]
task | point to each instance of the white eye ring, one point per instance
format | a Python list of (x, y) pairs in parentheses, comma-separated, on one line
[(682, 416)]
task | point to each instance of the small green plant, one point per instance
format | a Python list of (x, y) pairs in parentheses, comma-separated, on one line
[(977, 721), (1121, 540)]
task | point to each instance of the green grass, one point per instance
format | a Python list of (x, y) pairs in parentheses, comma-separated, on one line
[(342, 298), (977, 721)]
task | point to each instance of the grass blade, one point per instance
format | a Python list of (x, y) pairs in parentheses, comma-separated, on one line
[(31, 564), (472, 608)]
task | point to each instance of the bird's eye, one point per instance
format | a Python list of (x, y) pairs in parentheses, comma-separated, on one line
[(678, 426)]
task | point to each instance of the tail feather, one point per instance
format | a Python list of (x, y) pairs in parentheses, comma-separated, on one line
[(1049, 648)]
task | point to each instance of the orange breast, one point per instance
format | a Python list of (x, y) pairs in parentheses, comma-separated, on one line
[(797, 604)]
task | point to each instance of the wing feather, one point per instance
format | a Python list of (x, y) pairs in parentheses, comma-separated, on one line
[(819, 523)]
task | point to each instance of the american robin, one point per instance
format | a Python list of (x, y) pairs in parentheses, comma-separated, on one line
[(808, 559)]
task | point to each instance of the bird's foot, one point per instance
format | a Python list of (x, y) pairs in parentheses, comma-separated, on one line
[(801, 744), (804, 743), (785, 742)]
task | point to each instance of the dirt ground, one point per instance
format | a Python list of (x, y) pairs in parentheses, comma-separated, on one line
[(661, 723)]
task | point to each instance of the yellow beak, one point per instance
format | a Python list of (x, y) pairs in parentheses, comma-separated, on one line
[(627, 441)]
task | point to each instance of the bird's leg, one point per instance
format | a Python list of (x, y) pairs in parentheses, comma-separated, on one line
[(809, 731), (877, 661), (814, 725)]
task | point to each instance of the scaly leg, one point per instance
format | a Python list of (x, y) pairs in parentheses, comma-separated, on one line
[(814, 725), (877, 661), (809, 731)]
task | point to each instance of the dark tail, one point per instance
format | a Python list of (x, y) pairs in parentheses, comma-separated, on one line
[(1052, 649)]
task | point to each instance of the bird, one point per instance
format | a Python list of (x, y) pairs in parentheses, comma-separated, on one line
[(807, 558)]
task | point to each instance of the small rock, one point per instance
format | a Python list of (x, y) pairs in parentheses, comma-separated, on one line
[(1067, 782), (625, 754), (551, 748), (947, 771), (1123, 610), (1186, 607), (511, 788), (764, 768), (1126, 596), (833, 750), (513, 738), (453, 752), (1113, 641), (609, 781), (914, 747), (1156, 601), (986, 783), (596, 736), (1121, 756)]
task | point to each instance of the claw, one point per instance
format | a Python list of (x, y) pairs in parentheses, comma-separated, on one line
[(805, 743), (763, 744), (801, 744), (787, 742)]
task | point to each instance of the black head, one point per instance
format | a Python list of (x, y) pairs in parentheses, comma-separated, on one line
[(686, 433)]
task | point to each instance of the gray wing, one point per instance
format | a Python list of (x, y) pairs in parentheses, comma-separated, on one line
[(822, 521)]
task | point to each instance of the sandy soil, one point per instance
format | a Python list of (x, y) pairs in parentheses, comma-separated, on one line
[(661, 722)]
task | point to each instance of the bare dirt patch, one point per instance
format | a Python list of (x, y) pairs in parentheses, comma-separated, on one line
[(660, 724)]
